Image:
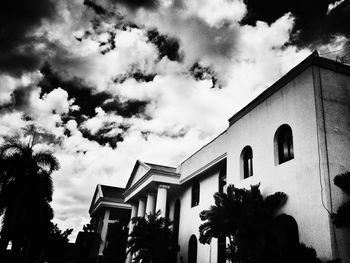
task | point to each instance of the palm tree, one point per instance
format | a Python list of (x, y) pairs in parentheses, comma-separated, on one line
[(151, 239), (245, 218), (342, 217), (25, 195)]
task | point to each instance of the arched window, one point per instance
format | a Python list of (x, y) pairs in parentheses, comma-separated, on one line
[(247, 162), (192, 250), (283, 144), (195, 194)]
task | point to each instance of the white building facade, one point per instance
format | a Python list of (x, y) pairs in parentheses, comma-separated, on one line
[(294, 138)]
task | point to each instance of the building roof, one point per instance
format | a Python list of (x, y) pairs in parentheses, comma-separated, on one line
[(150, 167), (106, 193), (313, 59), (163, 168), (112, 192)]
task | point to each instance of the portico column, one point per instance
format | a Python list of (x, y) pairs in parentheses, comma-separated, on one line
[(131, 226), (161, 199), (151, 203), (104, 232), (133, 214), (141, 209)]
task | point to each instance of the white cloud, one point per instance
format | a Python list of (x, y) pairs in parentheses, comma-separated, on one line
[(215, 13), (332, 6)]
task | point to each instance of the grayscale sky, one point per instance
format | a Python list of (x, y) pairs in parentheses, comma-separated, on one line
[(105, 83)]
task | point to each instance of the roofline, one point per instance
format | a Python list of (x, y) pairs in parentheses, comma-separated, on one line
[(202, 147), (166, 166), (145, 177), (313, 59), (138, 162), (108, 202), (97, 188)]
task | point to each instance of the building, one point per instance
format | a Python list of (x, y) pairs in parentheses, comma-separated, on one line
[(294, 137), (107, 207)]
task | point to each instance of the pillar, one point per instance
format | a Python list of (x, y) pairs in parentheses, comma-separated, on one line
[(142, 207), (104, 232), (133, 214), (151, 203), (161, 199), (134, 209)]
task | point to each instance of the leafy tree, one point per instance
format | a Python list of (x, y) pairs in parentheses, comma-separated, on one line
[(89, 227), (56, 243), (25, 195), (342, 217), (151, 239), (245, 218)]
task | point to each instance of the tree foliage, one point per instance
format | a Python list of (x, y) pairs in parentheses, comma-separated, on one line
[(342, 217), (151, 239), (245, 218), (25, 195), (56, 243)]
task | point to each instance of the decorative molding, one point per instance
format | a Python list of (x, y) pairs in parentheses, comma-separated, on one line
[(147, 176), (103, 203), (204, 168), (165, 186)]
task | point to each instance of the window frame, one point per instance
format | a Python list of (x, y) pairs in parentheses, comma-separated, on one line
[(283, 144), (246, 160)]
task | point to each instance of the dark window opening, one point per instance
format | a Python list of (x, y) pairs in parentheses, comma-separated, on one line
[(192, 249), (247, 162), (195, 194), (222, 180), (284, 141)]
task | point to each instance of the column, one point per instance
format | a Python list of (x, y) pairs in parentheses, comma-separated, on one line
[(141, 209), (133, 214), (151, 203), (134, 209), (104, 232), (161, 199)]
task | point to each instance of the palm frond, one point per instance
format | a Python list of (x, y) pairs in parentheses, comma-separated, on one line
[(47, 161), (275, 201), (343, 181)]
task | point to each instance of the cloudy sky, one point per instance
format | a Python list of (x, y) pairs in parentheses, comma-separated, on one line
[(108, 82)]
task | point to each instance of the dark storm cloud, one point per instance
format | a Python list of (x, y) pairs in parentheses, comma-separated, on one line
[(200, 72), (167, 46), (18, 20), (88, 99), (103, 15), (313, 25), (135, 4), (135, 74), (102, 137), (19, 99)]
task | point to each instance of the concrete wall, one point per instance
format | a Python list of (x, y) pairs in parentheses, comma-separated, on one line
[(335, 122), (204, 156), (189, 216), (299, 178), (316, 106)]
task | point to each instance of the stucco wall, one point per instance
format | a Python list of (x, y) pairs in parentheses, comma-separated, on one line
[(294, 105), (203, 156), (336, 102), (299, 178), (298, 105), (189, 216)]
